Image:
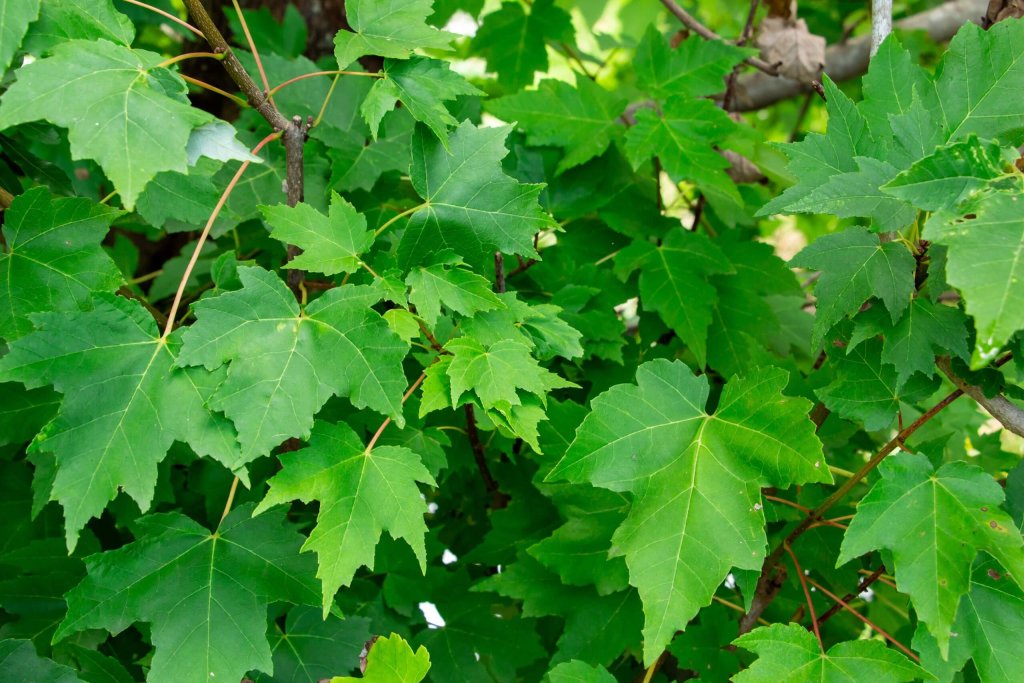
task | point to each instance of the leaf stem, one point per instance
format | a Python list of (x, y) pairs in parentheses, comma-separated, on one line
[(206, 233), (212, 88), (146, 278), (230, 500), (168, 15), (842, 603), (327, 98), (807, 594), (387, 420), (394, 219), (255, 52), (861, 587), (189, 55), (335, 73)]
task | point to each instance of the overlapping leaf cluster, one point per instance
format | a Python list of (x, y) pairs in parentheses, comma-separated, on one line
[(523, 388)]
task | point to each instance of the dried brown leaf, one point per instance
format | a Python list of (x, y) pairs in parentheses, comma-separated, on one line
[(787, 42)]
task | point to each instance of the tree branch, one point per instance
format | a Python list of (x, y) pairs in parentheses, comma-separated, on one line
[(850, 59), (999, 407)]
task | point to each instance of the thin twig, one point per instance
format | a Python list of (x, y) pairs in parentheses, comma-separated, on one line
[(498, 499), (206, 233), (730, 84), (499, 272), (807, 594), (212, 88), (387, 420), (252, 48), (167, 15), (189, 55), (861, 587), (273, 91), (842, 603)]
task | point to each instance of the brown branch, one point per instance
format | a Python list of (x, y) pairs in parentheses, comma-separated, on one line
[(850, 59), (499, 272), (498, 499), (703, 31), (999, 407), (861, 587)]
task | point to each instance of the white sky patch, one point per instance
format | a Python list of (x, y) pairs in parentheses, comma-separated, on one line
[(448, 557), (430, 613), (462, 23)]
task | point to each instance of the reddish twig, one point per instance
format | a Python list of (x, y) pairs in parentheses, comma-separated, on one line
[(861, 587), (807, 594), (167, 15)]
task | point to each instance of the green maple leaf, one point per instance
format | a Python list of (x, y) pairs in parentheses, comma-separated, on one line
[(977, 80), (893, 82), (695, 478), (928, 329), (423, 86), (496, 373), (63, 20), (331, 244), (187, 199), (789, 652), (704, 647), (459, 289), (539, 326), (855, 265), (584, 120), (391, 660), (53, 259), (472, 206), (310, 648), (515, 43), (935, 523), (23, 412), (387, 29), (357, 164), (108, 97), (683, 136), (284, 362), (576, 671), (696, 68), (949, 175), (19, 662), (14, 23), (674, 282), (985, 237), (204, 594), (818, 157), (868, 391), (987, 625), (124, 404), (362, 493)]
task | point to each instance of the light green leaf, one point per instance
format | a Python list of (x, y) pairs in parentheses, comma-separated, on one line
[(362, 493), (949, 175), (893, 81), (473, 207), (789, 652), (391, 660), (584, 120), (985, 237), (284, 363), (172, 197), (935, 523), (64, 20), (695, 477), (539, 326), (218, 140), (578, 672), (674, 282), (331, 244), (928, 329), (387, 29), (496, 373), (109, 98), (856, 265), (423, 86), (124, 404), (515, 43), (978, 82), (696, 68), (204, 594), (14, 21), (459, 289), (52, 259)]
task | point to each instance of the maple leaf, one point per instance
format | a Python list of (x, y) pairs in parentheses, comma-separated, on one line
[(124, 404), (855, 265), (361, 492), (696, 68), (331, 244), (423, 86), (495, 374), (539, 326), (459, 289), (695, 478), (576, 671), (63, 21), (789, 652), (471, 205), (171, 199), (514, 43), (674, 282), (53, 259), (391, 660), (116, 92), (13, 25), (934, 522), (23, 412), (985, 237), (926, 330), (204, 594), (19, 662), (284, 362), (584, 120), (893, 82), (311, 648), (387, 29)]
